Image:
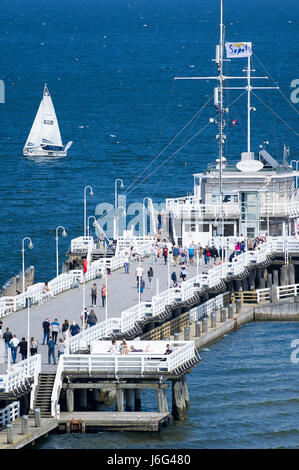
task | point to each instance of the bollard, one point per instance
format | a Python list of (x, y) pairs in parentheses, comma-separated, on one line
[(187, 333), (213, 319), (37, 417), (10, 433), (176, 337), (25, 426), (223, 314), (205, 324), (197, 328), (230, 311), (238, 305)]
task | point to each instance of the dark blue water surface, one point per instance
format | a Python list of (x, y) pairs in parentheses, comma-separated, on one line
[(109, 66), (244, 394)]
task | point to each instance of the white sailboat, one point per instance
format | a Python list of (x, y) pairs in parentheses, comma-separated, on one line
[(44, 139)]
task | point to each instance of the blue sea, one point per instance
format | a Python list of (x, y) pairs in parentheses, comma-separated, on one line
[(110, 68)]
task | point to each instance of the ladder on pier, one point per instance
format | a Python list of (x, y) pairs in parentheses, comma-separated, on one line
[(43, 394)]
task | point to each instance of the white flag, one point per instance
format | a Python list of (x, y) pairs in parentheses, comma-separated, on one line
[(238, 49)]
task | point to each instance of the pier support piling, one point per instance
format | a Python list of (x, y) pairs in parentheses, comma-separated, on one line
[(230, 311), (70, 400), (185, 392), (197, 329), (178, 402), (129, 399), (137, 399), (120, 399)]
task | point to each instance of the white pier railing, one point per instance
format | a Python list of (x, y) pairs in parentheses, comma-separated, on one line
[(20, 373), (65, 281), (152, 361), (9, 413), (290, 290), (206, 308)]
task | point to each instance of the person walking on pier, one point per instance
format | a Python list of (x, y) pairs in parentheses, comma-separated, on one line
[(175, 254), (46, 327), (23, 348), (65, 327), (33, 347), (55, 329), (94, 294), (61, 347), (13, 345), (51, 350), (174, 279), (7, 336), (165, 253), (139, 274), (127, 263), (74, 328), (92, 318), (154, 253), (150, 275), (104, 294)]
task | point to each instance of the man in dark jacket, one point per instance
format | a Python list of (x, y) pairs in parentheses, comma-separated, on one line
[(23, 348), (7, 336), (46, 328), (92, 318), (51, 350)]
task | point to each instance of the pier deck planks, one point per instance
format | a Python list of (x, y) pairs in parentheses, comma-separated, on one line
[(115, 421), (47, 425)]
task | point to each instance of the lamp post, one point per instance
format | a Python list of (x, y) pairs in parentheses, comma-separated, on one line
[(143, 213), (118, 180), (116, 220), (30, 246), (88, 220), (296, 163), (64, 234), (91, 193)]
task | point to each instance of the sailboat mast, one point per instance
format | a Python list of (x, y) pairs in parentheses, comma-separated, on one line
[(248, 103), (221, 47)]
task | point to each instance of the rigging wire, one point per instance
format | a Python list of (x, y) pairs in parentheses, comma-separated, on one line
[(277, 115), (169, 143), (282, 94)]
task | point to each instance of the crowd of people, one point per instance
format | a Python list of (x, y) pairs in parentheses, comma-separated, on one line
[(124, 348), (55, 335)]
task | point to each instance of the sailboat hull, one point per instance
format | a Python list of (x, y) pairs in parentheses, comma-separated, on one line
[(44, 153)]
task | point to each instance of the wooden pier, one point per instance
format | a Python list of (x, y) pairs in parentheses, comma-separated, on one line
[(21, 434), (81, 422)]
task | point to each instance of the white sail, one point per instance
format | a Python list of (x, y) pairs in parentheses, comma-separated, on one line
[(45, 130), (34, 138), (50, 134)]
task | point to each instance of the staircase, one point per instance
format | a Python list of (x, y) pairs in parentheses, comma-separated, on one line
[(43, 395)]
